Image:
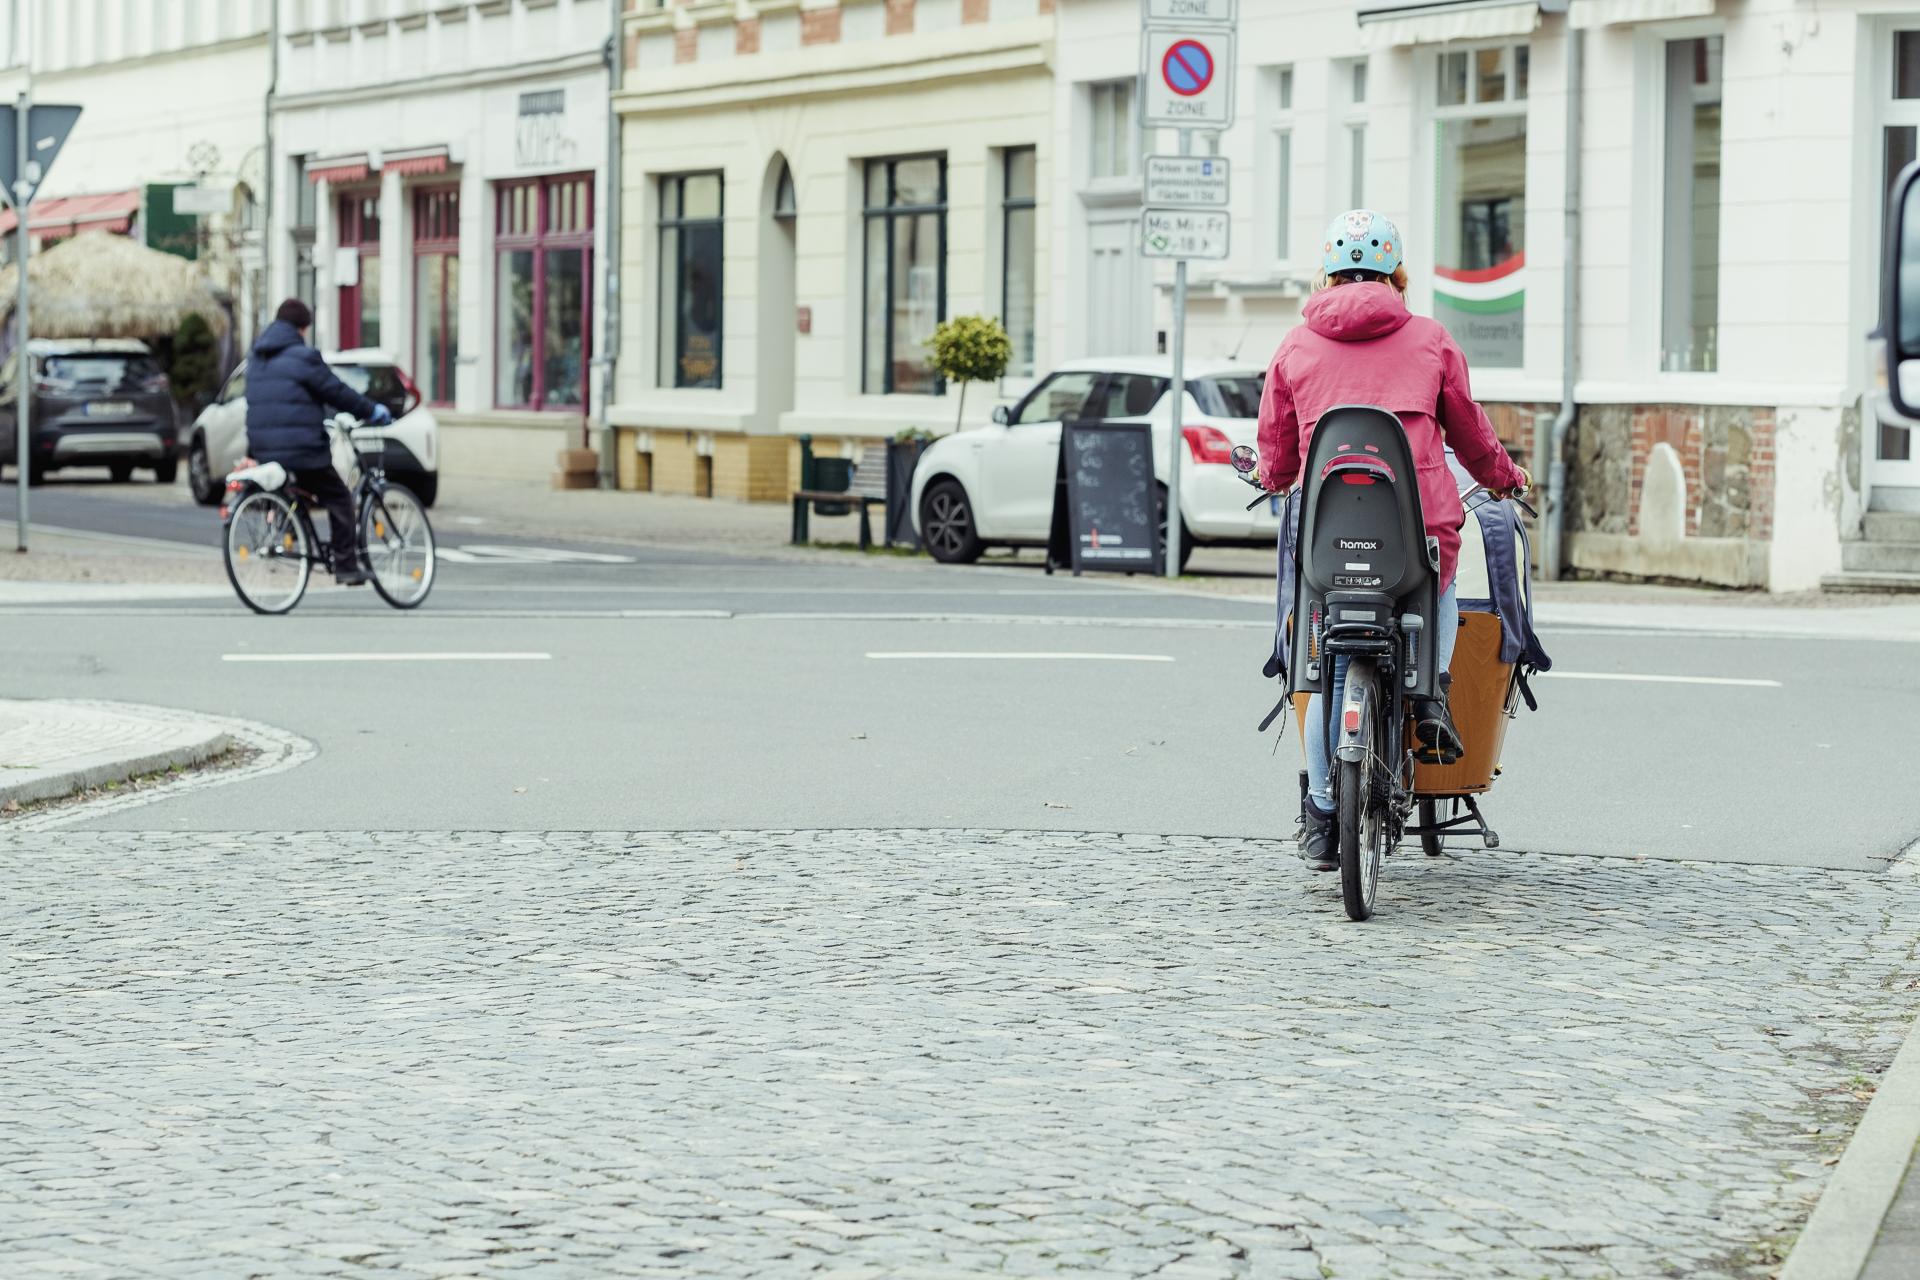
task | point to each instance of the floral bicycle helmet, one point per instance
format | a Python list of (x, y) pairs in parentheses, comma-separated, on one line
[(1362, 240)]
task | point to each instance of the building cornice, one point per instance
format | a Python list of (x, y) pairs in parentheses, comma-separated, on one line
[(979, 49), (479, 78), (258, 38)]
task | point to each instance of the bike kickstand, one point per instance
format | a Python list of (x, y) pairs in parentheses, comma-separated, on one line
[(1488, 836)]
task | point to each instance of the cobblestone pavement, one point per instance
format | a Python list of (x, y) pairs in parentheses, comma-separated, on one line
[(919, 1054)]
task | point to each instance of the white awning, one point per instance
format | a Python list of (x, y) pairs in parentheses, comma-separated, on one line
[(1404, 24), (1607, 13)]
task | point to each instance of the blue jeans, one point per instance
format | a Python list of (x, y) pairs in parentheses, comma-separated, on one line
[(1319, 745)]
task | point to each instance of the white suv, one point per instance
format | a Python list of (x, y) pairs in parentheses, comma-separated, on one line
[(993, 485), (218, 440)]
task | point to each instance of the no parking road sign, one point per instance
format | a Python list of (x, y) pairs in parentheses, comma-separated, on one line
[(1189, 78)]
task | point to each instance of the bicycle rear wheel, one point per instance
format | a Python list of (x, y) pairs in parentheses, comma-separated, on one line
[(399, 544), (1360, 831), (268, 553)]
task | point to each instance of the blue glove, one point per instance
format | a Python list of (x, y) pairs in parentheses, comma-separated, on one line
[(380, 416)]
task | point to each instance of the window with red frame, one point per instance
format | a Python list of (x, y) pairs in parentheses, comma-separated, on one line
[(436, 290), (543, 256), (357, 226)]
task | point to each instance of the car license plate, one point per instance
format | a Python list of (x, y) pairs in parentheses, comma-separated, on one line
[(108, 409)]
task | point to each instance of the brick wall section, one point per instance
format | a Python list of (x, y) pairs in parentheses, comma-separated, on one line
[(974, 10), (899, 17), (746, 35), (686, 45), (1046, 6), (820, 26), (1760, 476), (1726, 457)]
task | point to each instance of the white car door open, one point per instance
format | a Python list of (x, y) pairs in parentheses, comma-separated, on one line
[(1021, 458)]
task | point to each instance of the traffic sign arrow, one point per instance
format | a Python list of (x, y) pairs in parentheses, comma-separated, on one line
[(48, 125)]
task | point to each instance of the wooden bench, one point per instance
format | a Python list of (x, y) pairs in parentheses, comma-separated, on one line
[(836, 486)]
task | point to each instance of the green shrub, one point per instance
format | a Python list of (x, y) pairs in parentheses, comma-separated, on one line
[(195, 370), (970, 349)]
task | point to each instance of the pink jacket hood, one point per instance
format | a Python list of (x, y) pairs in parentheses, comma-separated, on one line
[(1356, 312)]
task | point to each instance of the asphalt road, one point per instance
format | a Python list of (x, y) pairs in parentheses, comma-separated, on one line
[(690, 690)]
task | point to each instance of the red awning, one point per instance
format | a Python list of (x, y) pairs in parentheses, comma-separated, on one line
[(414, 163), (340, 169), (64, 215)]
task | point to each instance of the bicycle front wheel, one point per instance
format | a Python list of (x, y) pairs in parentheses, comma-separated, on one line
[(269, 555), (399, 542)]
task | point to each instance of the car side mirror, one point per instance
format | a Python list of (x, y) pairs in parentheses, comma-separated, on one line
[(1900, 295), (1003, 415)]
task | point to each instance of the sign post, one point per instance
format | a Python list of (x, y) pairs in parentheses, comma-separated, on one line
[(30, 137), (1187, 56)]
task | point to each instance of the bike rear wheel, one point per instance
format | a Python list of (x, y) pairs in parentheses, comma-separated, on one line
[(268, 552), (399, 546), (1360, 826)]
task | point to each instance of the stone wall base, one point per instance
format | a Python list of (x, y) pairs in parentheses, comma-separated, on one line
[(510, 446), (1719, 562), (732, 466)]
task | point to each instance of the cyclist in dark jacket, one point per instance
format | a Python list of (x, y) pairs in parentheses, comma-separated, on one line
[(289, 392)]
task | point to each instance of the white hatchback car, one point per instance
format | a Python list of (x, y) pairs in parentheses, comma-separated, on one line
[(994, 485), (218, 440)]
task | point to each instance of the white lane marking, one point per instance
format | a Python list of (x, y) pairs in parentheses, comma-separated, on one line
[(1651, 679), (386, 657), (483, 553), (941, 656)]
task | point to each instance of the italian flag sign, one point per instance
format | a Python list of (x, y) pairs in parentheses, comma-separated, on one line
[(1485, 310)]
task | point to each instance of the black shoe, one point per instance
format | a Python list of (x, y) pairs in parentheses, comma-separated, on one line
[(1316, 840), (1437, 740), (351, 575)]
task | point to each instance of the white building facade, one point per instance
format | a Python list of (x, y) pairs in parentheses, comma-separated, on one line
[(172, 96), (442, 200), (809, 187), (1733, 163)]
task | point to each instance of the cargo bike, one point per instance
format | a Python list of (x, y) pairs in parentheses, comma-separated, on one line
[(1359, 581)]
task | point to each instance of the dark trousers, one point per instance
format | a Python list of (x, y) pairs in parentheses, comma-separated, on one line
[(325, 484)]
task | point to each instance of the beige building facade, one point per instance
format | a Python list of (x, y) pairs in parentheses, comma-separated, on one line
[(807, 189)]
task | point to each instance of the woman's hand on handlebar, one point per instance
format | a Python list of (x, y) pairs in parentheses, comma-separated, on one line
[(1516, 491)]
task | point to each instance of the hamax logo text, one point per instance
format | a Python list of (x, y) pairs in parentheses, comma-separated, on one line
[(1357, 544)]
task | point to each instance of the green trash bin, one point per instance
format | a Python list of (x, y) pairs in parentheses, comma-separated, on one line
[(833, 475)]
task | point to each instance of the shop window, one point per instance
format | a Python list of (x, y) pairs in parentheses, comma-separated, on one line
[(357, 226), (436, 291), (1017, 215), (1690, 275), (1480, 201), (691, 274), (1115, 133), (906, 272), (543, 250)]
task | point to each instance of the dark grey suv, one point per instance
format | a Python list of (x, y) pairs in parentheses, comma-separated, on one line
[(97, 402)]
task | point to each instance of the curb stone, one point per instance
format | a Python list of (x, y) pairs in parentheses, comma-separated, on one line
[(1846, 1223), (274, 751)]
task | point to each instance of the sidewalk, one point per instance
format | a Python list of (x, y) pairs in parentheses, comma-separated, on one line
[(49, 750), (1867, 1224)]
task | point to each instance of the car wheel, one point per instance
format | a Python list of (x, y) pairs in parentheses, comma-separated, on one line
[(167, 472), (121, 472), (424, 486), (36, 473), (946, 524), (206, 490)]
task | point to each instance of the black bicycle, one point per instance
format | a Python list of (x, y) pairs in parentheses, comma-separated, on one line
[(271, 546)]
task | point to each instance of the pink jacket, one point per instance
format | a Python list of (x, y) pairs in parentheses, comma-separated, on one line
[(1360, 345)]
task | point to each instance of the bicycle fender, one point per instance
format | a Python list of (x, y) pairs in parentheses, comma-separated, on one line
[(1353, 746)]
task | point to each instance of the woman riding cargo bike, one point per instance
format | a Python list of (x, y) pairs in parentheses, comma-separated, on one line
[(1363, 404)]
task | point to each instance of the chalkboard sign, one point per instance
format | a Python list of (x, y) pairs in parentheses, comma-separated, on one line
[(1106, 513)]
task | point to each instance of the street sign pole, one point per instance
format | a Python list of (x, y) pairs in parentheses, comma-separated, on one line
[(23, 366), (1176, 435)]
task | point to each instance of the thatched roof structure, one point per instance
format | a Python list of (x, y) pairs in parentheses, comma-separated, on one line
[(100, 285)]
